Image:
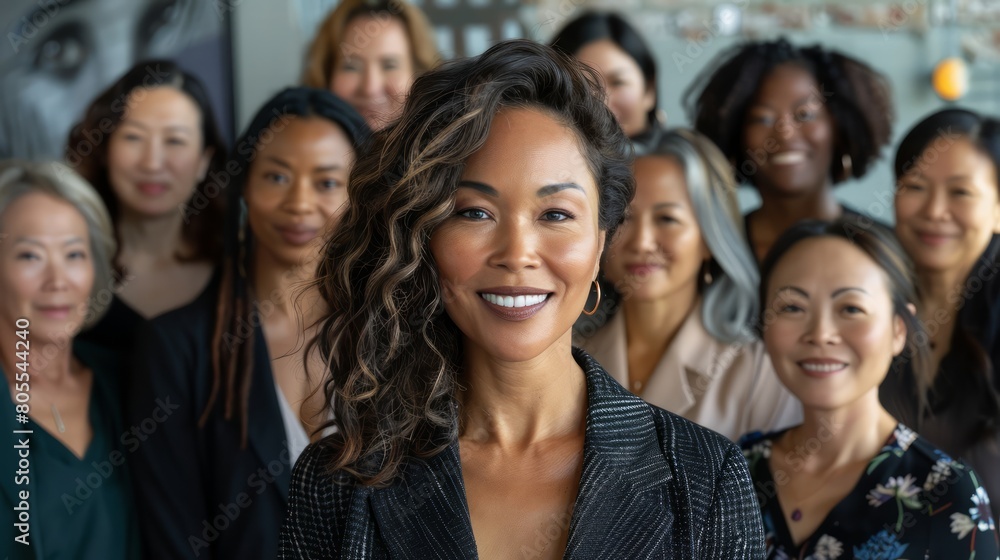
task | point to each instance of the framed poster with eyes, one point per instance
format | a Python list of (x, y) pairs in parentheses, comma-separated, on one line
[(57, 55)]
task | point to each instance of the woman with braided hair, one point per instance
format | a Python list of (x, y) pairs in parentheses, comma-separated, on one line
[(794, 122), (227, 369)]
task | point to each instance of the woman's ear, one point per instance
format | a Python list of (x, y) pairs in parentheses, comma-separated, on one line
[(996, 218), (204, 162), (899, 330), (601, 236)]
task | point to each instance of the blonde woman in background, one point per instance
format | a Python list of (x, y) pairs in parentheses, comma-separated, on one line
[(681, 334), (368, 53)]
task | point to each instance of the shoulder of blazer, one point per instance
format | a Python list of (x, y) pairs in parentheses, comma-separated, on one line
[(689, 449), (633, 449), (318, 507)]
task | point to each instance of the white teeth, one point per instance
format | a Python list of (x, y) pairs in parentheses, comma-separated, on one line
[(822, 368), (515, 301), (787, 158)]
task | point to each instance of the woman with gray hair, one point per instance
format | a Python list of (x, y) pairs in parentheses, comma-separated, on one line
[(69, 495), (680, 331)]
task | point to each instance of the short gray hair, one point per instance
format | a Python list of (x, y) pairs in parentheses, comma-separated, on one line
[(18, 178)]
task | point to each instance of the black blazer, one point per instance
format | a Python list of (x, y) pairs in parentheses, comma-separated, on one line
[(654, 485), (200, 495), (962, 382)]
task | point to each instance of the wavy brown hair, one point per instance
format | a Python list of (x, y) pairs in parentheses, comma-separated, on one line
[(392, 353)]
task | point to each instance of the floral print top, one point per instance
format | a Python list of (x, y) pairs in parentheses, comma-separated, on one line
[(912, 502)]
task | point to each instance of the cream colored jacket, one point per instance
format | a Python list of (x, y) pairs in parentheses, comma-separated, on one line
[(729, 388)]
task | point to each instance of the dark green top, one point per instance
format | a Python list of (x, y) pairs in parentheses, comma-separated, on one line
[(79, 508)]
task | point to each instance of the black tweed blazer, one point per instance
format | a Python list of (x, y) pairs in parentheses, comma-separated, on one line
[(654, 485)]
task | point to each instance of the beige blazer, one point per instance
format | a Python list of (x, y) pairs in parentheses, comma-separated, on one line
[(729, 388)]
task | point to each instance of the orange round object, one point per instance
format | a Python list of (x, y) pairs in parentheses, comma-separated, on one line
[(951, 79)]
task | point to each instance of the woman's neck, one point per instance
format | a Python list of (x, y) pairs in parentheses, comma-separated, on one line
[(150, 239), (517, 404), (827, 440), (285, 288), (778, 213), (937, 286), (50, 362), (652, 325)]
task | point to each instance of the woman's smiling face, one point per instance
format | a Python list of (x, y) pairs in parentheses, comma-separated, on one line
[(834, 332), (518, 256)]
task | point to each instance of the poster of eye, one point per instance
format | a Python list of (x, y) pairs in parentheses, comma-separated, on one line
[(58, 55)]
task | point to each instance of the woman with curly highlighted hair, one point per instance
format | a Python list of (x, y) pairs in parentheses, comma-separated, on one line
[(468, 426), (794, 122)]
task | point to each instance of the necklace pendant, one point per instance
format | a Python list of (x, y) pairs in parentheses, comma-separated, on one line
[(59, 422), (797, 514)]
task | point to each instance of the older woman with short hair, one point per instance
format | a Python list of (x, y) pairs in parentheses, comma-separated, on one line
[(63, 413)]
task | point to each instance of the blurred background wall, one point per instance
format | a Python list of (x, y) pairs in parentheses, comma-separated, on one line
[(46, 79)]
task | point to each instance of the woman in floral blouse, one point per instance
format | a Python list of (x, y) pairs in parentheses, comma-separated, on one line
[(851, 481)]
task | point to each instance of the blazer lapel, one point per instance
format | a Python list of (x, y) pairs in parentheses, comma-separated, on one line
[(625, 476), (623, 489), (266, 430), (425, 514)]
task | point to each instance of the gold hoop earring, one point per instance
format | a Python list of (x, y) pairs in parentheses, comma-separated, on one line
[(598, 303)]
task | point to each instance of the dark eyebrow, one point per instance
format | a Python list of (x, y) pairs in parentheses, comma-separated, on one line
[(544, 191), (548, 190), (22, 26), (835, 293), (799, 291), (327, 168), (279, 161), (848, 289), (481, 187), (664, 205), (171, 128), (797, 103)]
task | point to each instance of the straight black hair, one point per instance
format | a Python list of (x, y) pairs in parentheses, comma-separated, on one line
[(595, 26), (87, 152), (983, 132), (974, 388)]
